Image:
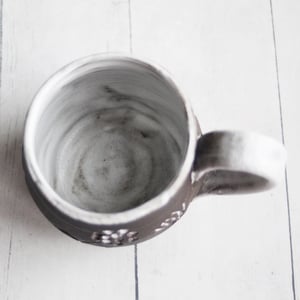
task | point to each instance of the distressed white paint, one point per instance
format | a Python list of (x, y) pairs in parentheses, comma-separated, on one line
[(38, 261), (224, 247), (223, 57), (287, 26)]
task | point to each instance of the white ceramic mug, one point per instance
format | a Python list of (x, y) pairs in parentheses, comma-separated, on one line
[(113, 154)]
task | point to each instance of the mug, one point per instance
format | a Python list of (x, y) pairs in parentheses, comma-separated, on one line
[(113, 154)]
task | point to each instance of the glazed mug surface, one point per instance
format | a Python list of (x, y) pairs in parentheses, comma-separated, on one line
[(113, 154)]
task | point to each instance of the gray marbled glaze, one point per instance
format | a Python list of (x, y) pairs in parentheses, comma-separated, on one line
[(113, 138), (113, 154)]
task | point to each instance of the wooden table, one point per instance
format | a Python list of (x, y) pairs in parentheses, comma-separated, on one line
[(239, 64)]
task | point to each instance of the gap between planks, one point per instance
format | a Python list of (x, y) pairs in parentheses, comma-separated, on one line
[(283, 141)]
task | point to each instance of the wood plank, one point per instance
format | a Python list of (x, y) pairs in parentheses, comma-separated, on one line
[(37, 261), (221, 54), (287, 24)]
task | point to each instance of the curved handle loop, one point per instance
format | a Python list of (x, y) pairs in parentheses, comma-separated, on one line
[(232, 162)]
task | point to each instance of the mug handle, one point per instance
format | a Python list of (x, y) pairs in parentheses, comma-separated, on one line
[(232, 162)]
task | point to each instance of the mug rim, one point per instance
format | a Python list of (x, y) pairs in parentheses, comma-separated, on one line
[(96, 218)]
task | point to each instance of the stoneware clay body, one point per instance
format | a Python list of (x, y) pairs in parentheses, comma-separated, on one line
[(113, 154)]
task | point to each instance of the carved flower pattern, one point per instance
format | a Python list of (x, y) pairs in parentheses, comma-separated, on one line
[(114, 237), (174, 217)]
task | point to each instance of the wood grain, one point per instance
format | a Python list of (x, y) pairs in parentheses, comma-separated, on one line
[(37, 261), (287, 42), (222, 56), (226, 61)]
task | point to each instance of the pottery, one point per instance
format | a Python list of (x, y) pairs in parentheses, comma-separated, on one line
[(113, 154)]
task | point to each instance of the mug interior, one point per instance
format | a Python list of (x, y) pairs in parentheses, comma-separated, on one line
[(113, 135)]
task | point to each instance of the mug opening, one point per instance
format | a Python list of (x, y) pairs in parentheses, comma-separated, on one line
[(112, 135)]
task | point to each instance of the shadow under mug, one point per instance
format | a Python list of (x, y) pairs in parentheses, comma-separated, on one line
[(113, 154)]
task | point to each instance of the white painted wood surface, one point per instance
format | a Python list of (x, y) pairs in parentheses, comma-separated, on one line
[(37, 261), (287, 37), (229, 247), (222, 54)]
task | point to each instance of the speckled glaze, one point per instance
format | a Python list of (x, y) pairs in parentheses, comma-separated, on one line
[(113, 153), (111, 150)]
